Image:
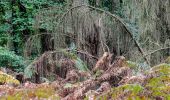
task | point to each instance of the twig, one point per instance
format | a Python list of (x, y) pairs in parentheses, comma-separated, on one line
[(88, 54), (156, 51), (78, 51), (82, 52)]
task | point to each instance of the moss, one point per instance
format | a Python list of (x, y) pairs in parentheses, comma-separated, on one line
[(130, 90), (8, 79), (39, 92), (131, 64), (158, 85), (155, 86)]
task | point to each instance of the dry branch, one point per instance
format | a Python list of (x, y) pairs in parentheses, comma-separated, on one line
[(113, 74), (156, 51)]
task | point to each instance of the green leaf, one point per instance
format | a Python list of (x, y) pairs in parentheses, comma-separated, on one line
[(81, 65)]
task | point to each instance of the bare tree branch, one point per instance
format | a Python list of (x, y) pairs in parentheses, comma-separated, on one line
[(156, 51)]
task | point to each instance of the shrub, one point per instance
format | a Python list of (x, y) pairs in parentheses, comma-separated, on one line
[(11, 60)]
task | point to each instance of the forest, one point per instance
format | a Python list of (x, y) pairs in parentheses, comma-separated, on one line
[(84, 49)]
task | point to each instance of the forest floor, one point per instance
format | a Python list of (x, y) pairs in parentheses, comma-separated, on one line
[(106, 81)]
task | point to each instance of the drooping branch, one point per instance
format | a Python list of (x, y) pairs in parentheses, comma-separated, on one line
[(115, 17)]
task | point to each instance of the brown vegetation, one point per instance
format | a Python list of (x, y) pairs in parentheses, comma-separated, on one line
[(74, 84)]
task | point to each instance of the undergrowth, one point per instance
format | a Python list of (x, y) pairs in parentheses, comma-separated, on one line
[(151, 84), (9, 59)]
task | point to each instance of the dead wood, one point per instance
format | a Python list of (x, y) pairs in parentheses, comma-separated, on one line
[(72, 76), (80, 91), (112, 75), (66, 65), (140, 79), (103, 63), (116, 72), (105, 86)]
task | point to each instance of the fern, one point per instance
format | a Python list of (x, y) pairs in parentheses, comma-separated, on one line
[(29, 71), (79, 63)]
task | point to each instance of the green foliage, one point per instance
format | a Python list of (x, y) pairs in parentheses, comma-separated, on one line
[(133, 89), (131, 64), (10, 59), (3, 39), (17, 19), (78, 62), (158, 84), (29, 71), (81, 65), (137, 67)]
